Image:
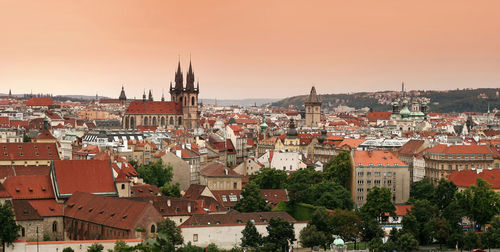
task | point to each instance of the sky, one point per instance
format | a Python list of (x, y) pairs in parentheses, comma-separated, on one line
[(247, 49)]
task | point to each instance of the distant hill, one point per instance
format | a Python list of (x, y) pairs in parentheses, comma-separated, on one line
[(458, 100)]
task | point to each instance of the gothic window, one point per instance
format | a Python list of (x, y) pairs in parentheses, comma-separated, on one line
[(192, 101), (153, 228), (146, 121), (23, 232), (162, 121), (171, 121), (54, 226), (126, 122), (132, 122), (180, 99), (154, 121), (179, 121)]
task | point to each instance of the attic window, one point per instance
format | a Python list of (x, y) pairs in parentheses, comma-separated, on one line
[(50, 154), (124, 217), (90, 210), (71, 205), (177, 209), (48, 147), (101, 212), (18, 190), (30, 189), (161, 209), (5, 154), (26, 212), (37, 154), (112, 215), (36, 147), (20, 147), (44, 189), (224, 199), (80, 207), (51, 209), (4, 147), (21, 154), (217, 222)]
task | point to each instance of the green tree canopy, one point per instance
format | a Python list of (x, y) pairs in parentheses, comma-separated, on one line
[(346, 224), (480, 202), (251, 200), (250, 236), (95, 247), (328, 194), (444, 194), (268, 178), (423, 189), (172, 190), (9, 230), (339, 170), (300, 181), (156, 173), (172, 232), (280, 235), (378, 202), (310, 237)]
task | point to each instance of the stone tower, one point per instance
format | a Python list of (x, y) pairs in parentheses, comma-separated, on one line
[(187, 96), (313, 109)]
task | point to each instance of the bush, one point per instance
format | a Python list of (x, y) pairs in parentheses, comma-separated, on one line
[(68, 249), (96, 247)]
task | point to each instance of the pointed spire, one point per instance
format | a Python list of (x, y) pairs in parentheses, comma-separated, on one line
[(144, 96), (313, 97), (179, 80), (190, 79), (122, 96), (150, 95), (162, 95)]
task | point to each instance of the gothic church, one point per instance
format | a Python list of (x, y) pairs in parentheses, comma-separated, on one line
[(182, 110)]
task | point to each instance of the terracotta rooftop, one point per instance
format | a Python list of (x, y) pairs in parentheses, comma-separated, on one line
[(467, 178), (29, 187), (91, 176), (376, 158), (154, 107), (411, 147), (235, 218), (459, 149), (28, 151), (39, 102), (216, 169)]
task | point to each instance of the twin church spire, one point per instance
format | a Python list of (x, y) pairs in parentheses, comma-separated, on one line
[(179, 81)]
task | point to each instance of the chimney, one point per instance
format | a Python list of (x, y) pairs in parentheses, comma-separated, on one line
[(169, 203)]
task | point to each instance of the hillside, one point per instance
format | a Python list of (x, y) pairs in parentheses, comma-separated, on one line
[(459, 100)]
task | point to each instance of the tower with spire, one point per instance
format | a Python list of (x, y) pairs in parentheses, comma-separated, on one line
[(313, 109), (187, 96)]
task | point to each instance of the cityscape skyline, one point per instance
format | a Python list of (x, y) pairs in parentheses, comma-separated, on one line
[(241, 50)]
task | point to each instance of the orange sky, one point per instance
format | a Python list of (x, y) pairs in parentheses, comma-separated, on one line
[(248, 49)]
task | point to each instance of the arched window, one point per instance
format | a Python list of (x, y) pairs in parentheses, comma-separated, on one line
[(126, 122), (154, 121), (146, 121), (23, 232), (54, 226), (123, 186), (153, 228), (185, 101), (132, 122), (171, 121), (162, 121), (179, 121), (192, 101)]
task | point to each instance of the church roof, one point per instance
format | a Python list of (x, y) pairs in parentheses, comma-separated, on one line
[(154, 107)]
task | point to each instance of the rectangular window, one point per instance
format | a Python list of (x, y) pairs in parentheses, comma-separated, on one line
[(368, 174), (360, 182), (360, 198), (235, 185), (360, 190), (377, 174), (360, 174), (368, 182), (376, 182), (389, 182), (195, 237)]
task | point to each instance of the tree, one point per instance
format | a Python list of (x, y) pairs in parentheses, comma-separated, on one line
[(280, 235), (480, 202), (371, 228), (424, 211), (9, 230), (378, 202), (328, 194), (423, 189), (190, 248), (250, 236), (172, 190), (406, 242), (26, 138), (310, 236), (251, 200), (492, 235), (300, 181), (156, 173), (444, 194), (268, 178), (471, 240), (121, 246), (171, 231), (346, 224), (339, 169), (68, 249), (212, 248), (95, 247), (410, 225)]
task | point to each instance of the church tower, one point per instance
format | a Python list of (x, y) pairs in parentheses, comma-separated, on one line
[(313, 109), (176, 92), (190, 104)]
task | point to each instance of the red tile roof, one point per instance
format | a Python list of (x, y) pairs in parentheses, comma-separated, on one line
[(39, 102), (411, 147), (45, 135), (47, 208), (170, 206), (376, 157), (143, 190), (29, 187), (235, 218), (374, 116), (24, 211), (402, 210), (92, 176), (154, 107), (28, 151), (216, 169), (109, 211), (467, 178), (459, 149)]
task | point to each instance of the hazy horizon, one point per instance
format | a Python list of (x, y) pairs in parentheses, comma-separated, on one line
[(241, 49)]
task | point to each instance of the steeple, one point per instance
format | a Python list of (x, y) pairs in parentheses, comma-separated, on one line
[(150, 96), (190, 79), (122, 97), (144, 96), (10, 93), (179, 80), (313, 97), (162, 95)]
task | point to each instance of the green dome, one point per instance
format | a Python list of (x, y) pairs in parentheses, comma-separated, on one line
[(405, 111), (264, 125), (338, 242)]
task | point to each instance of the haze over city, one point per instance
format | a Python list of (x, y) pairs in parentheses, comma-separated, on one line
[(247, 49)]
